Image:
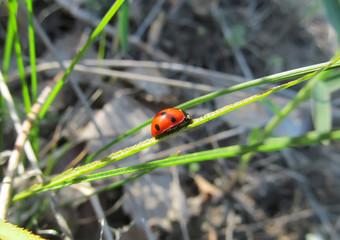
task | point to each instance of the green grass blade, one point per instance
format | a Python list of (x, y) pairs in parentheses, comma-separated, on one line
[(302, 95), (254, 137), (31, 39), (123, 25), (269, 79), (111, 186), (92, 37), (10, 231), (295, 73), (72, 173), (53, 160), (68, 175), (12, 9), (118, 139), (34, 136), (8, 45), (271, 144)]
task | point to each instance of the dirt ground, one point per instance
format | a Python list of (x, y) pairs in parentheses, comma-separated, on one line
[(290, 194)]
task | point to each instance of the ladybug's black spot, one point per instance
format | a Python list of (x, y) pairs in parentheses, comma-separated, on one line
[(163, 113), (173, 119), (157, 127)]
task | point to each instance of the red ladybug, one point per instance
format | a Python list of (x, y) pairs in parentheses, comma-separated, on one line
[(168, 121)]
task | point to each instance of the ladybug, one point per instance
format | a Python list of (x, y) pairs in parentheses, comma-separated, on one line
[(169, 121)]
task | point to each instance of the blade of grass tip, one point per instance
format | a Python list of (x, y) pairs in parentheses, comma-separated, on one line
[(12, 9), (92, 37), (34, 86)]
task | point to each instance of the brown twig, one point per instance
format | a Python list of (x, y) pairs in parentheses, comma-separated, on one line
[(13, 162)]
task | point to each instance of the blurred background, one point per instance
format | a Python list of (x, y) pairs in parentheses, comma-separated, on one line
[(159, 54)]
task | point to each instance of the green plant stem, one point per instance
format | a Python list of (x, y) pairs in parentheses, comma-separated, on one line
[(34, 82), (34, 85), (123, 26)]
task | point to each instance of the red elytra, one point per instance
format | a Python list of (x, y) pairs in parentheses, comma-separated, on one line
[(168, 121)]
